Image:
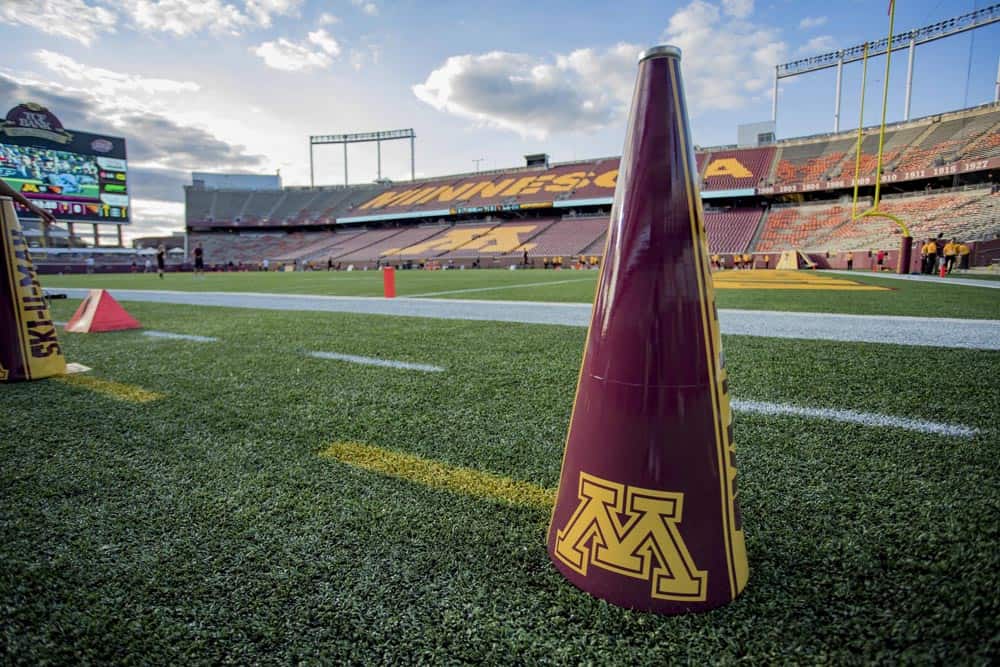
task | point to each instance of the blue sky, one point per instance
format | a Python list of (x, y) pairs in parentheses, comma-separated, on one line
[(238, 85)]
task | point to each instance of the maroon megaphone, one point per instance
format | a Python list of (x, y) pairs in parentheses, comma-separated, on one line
[(646, 515)]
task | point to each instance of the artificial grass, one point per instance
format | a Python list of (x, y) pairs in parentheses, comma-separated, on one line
[(918, 299), (206, 526)]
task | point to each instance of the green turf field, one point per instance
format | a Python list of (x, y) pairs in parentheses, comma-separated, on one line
[(203, 525), (901, 297)]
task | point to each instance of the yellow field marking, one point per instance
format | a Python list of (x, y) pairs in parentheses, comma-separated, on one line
[(789, 280), (440, 476), (118, 390)]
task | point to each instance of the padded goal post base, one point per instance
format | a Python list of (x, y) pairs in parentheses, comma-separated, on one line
[(29, 346)]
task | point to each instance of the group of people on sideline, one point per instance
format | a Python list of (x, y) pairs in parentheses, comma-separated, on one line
[(739, 261), (942, 256)]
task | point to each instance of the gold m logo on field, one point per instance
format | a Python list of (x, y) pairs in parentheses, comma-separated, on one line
[(646, 545), (482, 239)]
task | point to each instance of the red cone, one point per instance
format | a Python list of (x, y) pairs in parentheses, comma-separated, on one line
[(646, 514), (100, 312)]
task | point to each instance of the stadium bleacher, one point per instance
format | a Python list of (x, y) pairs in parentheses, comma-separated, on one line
[(735, 169), (561, 210), (731, 230), (966, 214)]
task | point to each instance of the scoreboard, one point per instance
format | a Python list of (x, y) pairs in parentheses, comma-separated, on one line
[(78, 176)]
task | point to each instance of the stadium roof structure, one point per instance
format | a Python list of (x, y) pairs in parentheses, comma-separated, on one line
[(908, 39)]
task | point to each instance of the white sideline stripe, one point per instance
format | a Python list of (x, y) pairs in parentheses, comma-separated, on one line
[(853, 417), (59, 324), (492, 289), (372, 361), (177, 336)]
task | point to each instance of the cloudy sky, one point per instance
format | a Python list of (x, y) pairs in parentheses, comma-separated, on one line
[(239, 85)]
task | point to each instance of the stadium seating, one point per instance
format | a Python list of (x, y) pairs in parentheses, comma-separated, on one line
[(288, 207), (568, 237), (965, 214), (918, 149), (732, 169), (811, 161), (731, 230), (387, 247)]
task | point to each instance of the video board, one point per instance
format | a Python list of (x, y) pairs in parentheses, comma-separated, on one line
[(79, 176)]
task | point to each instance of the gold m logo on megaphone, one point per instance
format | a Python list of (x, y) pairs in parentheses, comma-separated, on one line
[(645, 544)]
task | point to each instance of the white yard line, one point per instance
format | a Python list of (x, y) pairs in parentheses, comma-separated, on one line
[(373, 361), (853, 417), (492, 289), (177, 336)]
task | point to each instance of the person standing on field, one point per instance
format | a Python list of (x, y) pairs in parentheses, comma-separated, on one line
[(161, 260), (199, 261), (950, 252), (963, 256)]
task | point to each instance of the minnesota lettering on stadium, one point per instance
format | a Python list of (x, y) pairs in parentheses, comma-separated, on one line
[(555, 183)]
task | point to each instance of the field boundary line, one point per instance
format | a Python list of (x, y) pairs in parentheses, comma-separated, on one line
[(978, 334), (933, 280), (437, 475), (855, 417), (492, 289), (375, 361)]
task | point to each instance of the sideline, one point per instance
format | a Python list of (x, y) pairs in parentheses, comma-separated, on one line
[(920, 278), (893, 329)]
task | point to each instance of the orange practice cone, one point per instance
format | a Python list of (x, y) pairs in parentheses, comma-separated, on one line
[(646, 515), (389, 282), (29, 346), (100, 312)]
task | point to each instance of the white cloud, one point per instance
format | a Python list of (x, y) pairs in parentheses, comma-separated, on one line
[(291, 56), (262, 10), (136, 107), (107, 82), (363, 56), (583, 90), (738, 8), (369, 8), (325, 41), (812, 22), (818, 45), (185, 17), (72, 19), (328, 19), (154, 217), (727, 62)]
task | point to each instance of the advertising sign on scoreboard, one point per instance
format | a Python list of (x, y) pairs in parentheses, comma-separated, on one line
[(78, 176)]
